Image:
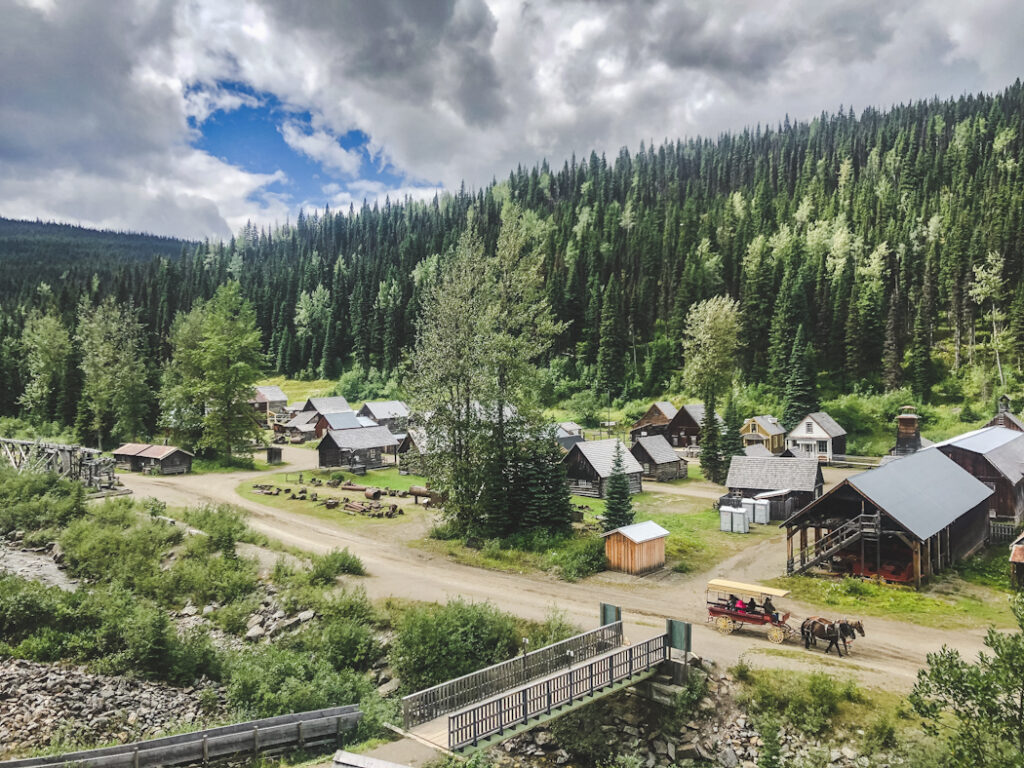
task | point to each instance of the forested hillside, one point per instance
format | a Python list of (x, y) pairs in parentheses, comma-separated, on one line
[(892, 237)]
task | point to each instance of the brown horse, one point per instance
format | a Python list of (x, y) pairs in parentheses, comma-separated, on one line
[(839, 631)]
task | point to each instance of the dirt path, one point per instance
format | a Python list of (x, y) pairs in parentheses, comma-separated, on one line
[(888, 657)]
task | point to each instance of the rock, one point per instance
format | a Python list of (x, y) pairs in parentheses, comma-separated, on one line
[(189, 610), (727, 758), (256, 620), (389, 687), (255, 633), (561, 757), (542, 738), (848, 752), (207, 610), (305, 616), (671, 749), (660, 747)]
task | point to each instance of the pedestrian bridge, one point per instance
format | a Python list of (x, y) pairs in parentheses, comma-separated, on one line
[(495, 703)]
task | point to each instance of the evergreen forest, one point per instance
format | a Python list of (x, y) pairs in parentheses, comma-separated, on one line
[(887, 244)]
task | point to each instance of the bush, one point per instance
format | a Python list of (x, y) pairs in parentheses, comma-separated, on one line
[(555, 627), (223, 524), (808, 701), (445, 530), (438, 642), (325, 569), (579, 557), (345, 643), (31, 502), (880, 734)]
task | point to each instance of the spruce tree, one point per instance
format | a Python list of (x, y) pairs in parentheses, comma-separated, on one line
[(732, 440), (618, 503), (611, 353), (919, 368), (801, 396), (712, 462)]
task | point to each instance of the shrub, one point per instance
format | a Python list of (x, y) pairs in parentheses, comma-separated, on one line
[(232, 618), (345, 643), (445, 530), (31, 502), (808, 701), (223, 524), (880, 734), (555, 627), (579, 557), (438, 642), (325, 569)]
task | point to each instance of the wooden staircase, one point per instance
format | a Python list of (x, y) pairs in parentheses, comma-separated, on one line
[(866, 526)]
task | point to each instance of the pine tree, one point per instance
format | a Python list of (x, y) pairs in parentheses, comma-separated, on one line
[(712, 462), (611, 353), (618, 502), (919, 366), (732, 440), (801, 395)]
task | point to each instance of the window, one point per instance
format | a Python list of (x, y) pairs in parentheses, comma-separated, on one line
[(822, 446), (809, 427)]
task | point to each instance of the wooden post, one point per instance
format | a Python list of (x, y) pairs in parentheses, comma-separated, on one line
[(206, 751), (917, 564), (928, 558), (803, 546), (789, 546)]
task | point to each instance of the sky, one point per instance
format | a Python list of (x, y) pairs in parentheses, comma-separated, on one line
[(191, 118)]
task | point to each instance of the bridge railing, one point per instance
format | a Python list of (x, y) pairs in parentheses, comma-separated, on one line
[(425, 705), (517, 708)]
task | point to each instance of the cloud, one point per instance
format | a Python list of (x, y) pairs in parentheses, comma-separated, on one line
[(102, 100), (321, 147)]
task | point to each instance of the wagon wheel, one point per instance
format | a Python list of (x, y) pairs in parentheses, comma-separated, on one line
[(724, 625), (776, 634)]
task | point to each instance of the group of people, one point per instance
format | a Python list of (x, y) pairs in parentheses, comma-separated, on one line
[(750, 606)]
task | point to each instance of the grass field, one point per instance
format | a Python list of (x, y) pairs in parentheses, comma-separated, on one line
[(216, 466), (296, 389)]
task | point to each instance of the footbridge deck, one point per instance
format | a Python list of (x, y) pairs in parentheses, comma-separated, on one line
[(495, 703)]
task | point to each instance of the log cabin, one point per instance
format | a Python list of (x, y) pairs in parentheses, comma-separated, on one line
[(658, 458), (351, 447), (393, 414), (157, 459), (588, 465)]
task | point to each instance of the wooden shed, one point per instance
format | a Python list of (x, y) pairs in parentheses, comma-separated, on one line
[(995, 456), (637, 548), (588, 466), (351, 447), (658, 458), (159, 459)]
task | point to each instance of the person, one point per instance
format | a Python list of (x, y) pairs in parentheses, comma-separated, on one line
[(741, 606), (732, 602), (752, 605), (769, 609)]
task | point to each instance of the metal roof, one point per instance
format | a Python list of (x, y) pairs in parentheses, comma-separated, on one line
[(658, 449), (327, 404), (131, 449), (570, 427), (386, 409), (303, 417), (774, 473), (342, 420), (359, 439), (982, 440), (638, 533), (566, 442), (149, 451), (739, 588), (827, 423), (924, 492), (601, 454)]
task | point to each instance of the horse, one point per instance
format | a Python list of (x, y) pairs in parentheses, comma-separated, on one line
[(840, 631)]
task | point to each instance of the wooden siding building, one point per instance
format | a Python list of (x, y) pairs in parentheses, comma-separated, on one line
[(817, 436), (328, 422), (356, 447), (324, 405), (750, 476), (995, 456), (658, 459), (904, 521), (300, 428), (1004, 416), (270, 402), (764, 430), (681, 427), (393, 414), (158, 459), (588, 465), (637, 548)]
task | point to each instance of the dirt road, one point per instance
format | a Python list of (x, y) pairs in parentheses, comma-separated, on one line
[(888, 657)]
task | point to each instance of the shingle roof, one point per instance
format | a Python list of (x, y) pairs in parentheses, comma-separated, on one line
[(386, 409), (270, 394), (131, 449), (827, 423), (658, 448), (667, 408), (358, 439), (638, 533), (342, 420), (566, 442), (571, 427), (302, 417), (149, 451), (757, 450), (601, 454), (924, 492), (327, 404), (770, 425), (773, 473)]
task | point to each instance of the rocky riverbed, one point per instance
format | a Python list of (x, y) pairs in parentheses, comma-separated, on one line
[(35, 563)]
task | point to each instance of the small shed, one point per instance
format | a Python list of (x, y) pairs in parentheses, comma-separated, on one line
[(637, 548), (159, 459), (588, 466), (657, 457), (274, 454)]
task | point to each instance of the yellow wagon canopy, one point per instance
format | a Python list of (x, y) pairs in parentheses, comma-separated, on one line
[(737, 587)]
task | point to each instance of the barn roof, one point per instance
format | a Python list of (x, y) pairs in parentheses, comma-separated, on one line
[(638, 533), (327, 404), (270, 394), (342, 420), (386, 409), (600, 454), (157, 452), (774, 473), (667, 408), (131, 449), (769, 424), (658, 448), (1002, 447), (359, 439)]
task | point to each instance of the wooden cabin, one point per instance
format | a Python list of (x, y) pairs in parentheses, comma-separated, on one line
[(327, 422), (411, 449), (1017, 562), (636, 549), (393, 414), (1004, 416), (659, 460), (654, 422), (764, 430), (300, 428), (570, 428), (817, 436), (904, 521), (588, 465), (271, 403), (995, 456), (157, 459), (356, 447), (750, 476), (324, 405), (565, 440)]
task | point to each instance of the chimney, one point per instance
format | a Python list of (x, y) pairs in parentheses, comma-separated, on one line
[(908, 431)]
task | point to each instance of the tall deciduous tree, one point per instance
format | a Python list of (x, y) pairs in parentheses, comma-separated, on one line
[(987, 289), (618, 502), (710, 342), (46, 346)]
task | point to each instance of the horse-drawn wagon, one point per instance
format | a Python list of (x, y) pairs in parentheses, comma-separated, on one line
[(732, 604)]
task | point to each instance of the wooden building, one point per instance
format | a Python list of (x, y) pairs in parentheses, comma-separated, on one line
[(566, 440), (324, 405), (393, 414), (817, 436), (1017, 562), (327, 422), (908, 433), (659, 460), (681, 428), (588, 465), (356, 447), (904, 521), (1004, 416), (570, 428), (158, 459), (300, 428), (270, 402), (995, 456), (654, 422), (750, 476), (411, 449), (637, 548), (764, 430)]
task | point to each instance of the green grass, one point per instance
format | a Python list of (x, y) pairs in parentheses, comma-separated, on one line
[(224, 466), (948, 603), (296, 389), (988, 569)]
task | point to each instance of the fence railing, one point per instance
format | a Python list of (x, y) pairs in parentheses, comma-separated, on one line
[(259, 737), (517, 708), (1003, 532), (425, 705)]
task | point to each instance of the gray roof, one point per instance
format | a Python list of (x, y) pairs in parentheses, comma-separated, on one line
[(359, 439), (302, 417), (568, 441), (827, 423), (658, 448), (667, 408), (270, 394), (327, 404), (638, 533), (773, 473), (924, 492), (342, 420), (601, 453), (757, 449), (770, 424), (386, 409), (571, 427), (1002, 447)]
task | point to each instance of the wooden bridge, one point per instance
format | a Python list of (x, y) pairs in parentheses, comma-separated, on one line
[(493, 704), (74, 462)]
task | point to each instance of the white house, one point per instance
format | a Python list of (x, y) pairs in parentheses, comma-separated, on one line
[(817, 436)]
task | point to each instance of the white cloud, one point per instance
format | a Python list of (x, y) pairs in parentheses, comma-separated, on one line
[(322, 147)]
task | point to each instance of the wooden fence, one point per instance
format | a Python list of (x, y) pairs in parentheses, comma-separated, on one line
[(424, 706), (1003, 533), (518, 707), (274, 735)]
